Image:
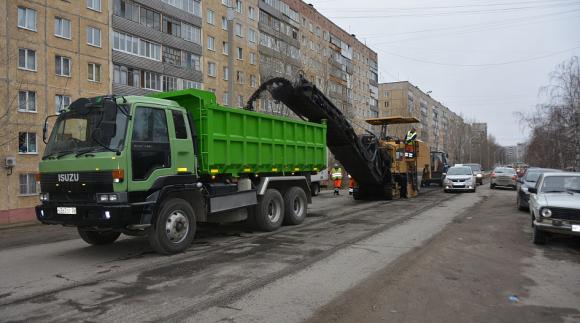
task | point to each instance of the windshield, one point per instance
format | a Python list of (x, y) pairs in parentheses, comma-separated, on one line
[(459, 171), (557, 184), (87, 130), (533, 175)]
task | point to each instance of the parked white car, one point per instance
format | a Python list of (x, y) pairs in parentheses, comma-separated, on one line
[(460, 178), (555, 205)]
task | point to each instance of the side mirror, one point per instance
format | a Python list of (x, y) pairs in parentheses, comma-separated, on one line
[(45, 128), (532, 190)]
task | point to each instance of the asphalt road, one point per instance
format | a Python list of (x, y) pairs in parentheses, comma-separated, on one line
[(437, 258)]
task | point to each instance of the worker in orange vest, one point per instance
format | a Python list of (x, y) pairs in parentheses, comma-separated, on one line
[(336, 174)]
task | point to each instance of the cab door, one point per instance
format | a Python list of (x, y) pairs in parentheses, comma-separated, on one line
[(182, 151)]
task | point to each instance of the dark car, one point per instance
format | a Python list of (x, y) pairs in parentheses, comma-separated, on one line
[(529, 179)]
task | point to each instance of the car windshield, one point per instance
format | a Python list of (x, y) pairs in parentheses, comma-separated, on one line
[(459, 171), (504, 170), (83, 130), (533, 175), (560, 184)]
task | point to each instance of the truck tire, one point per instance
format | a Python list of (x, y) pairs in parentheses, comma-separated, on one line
[(315, 189), (174, 227), (98, 238), (295, 206), (269, 213)]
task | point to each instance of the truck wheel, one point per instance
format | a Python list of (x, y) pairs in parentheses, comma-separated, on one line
[(315, 189), (295, 206), (98, 237), (174, 228), (269, 213), (538, 236)]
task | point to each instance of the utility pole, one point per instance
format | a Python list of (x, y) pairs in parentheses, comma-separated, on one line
[(230, 19)]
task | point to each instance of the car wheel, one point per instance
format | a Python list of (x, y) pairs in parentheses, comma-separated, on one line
[(538, 236)]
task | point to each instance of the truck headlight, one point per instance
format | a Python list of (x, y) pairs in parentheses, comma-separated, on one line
[(109, 197), (546, 212), (43, 197)]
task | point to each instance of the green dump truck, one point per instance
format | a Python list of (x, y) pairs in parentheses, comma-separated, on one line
[(157, 165)]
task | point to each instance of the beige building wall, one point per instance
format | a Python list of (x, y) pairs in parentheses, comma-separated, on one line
[(245, 74), (43, 81)]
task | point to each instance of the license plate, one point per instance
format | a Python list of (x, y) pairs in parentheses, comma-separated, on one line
[(575, 228), (66, 210)]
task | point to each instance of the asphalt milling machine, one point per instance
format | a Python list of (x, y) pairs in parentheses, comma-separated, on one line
[(384, 167)]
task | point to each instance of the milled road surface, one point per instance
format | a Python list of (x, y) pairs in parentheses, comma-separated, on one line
[(422, 259)]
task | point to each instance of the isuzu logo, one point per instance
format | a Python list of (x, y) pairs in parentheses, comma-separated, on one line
[(68, 177)]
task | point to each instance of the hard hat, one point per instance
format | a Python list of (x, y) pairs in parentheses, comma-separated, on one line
[(335, 164)]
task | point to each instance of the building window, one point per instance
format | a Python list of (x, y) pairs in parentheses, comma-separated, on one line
[(94, 36), (240, 77), (224, 23), (253, 58), (126, 76), (238, 30), (94, 72), (125, 43), (240, 101), (150, 18), (191, 6), (210, 43), (28, 184), (61, 102), (225, 98), (171, 26), (252, 35), (210, 17), (192, 61), (239, 6), (226, 73), (225, 48), (172, 56), (126, 9), (27, 18), (191, 33), (187, 84), (94, 5), (62, 27), (211, 69), (150, 81), (149, 50), (26, 101), (253, 81), (27, 59), (169, 83), (252, 13), (227, 3), (62, 65), (27, 142), (240, 53)]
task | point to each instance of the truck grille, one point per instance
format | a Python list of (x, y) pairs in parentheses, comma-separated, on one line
[(72, 197), (565, 214)]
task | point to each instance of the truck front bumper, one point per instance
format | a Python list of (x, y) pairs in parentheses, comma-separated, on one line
[(116, 216)]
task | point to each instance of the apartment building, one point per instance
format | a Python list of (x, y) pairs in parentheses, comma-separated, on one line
[(440, 127), (156, 45), (51, 52), (241, 53)]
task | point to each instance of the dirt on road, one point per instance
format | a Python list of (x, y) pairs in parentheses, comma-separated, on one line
[(482, 268)]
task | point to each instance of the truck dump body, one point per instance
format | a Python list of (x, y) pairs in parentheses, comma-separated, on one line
[(236, 141), (361, 159)]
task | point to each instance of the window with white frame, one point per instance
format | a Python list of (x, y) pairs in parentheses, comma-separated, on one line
[(240, 53), (169, 83), (227, 3), (27, 18), (191, 6), (125, 43), (226, 98), (62, 27), (94, 5), (210, 43), (225, 48), (61, 102), (27, 59), (94, 72), (27, 143), (28, 184), (94, 36), (187, 84), (191, 61), (226, 73), (239, 30), (239, 6), (252, 13), (149, 50), (253, 81), (191, 33), (26, 101), (62, 65), (252, 35), (253, 58), (224, 23), (211, 17), (240, 101), (151, 80), (240, 77), (211, 69)]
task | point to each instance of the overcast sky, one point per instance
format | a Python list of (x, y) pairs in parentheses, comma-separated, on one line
[(483, 59)]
